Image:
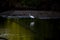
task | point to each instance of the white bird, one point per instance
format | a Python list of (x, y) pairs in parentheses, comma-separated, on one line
[(31, 16)]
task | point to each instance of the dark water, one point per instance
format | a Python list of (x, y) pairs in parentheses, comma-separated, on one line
[(40, 29)]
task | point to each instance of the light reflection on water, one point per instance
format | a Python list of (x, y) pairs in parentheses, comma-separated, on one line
[(29, 16), (32, 23)]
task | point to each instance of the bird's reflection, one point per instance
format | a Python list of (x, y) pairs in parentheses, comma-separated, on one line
[(32, 25)]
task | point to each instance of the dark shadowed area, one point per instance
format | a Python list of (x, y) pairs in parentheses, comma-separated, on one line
[(44, 5)]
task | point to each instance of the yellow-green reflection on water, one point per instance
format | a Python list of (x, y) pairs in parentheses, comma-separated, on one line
[(21, 29), (13, 31)]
